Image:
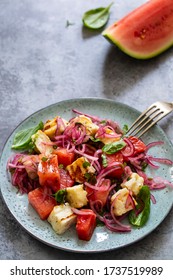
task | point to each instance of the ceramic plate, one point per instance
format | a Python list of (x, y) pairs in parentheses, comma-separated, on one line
[(102, 239)]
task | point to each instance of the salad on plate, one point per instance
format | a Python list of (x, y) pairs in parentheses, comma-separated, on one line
[(87, 172)]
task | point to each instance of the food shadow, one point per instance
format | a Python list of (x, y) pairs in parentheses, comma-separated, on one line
[(123, 74)]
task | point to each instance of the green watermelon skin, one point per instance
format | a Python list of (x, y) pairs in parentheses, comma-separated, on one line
[(145, 32)]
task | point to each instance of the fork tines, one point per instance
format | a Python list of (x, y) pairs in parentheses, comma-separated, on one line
[(146, 120)]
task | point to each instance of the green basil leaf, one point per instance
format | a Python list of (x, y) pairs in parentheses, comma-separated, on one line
[(44, 159), (96, 18), (125, 129), (61, 166), (94, 139), (22, 139), (114, 147), (104, 160), (86, 164), (90, 178), (60, 196), (87, 176), (143, 200)]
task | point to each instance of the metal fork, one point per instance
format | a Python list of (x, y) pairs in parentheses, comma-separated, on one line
[(149, 117)]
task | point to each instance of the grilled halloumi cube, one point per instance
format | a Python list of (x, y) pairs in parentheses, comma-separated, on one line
[(79, 168), (61, 218), (91, 128), (119, 199), (50, 126), (134, 183), (107, 140), (42, 142), (77, 196)]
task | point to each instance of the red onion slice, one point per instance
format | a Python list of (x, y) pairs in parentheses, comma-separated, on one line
[(128, 151), (153, 144)]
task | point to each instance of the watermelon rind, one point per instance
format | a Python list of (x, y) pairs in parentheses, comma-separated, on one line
[(136, 55)]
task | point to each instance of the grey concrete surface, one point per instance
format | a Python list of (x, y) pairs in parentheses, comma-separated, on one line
[(42, 61)]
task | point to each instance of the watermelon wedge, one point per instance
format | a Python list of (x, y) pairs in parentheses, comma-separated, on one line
[(145, 32)]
